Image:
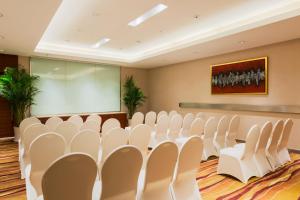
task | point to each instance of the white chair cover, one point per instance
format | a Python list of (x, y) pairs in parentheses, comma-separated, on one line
[(208, 138), (232, 132), (53, 122), (77, 120), (110, 124), (91, 125), (283, 152), (175, 127), (220, 134), (150, 119), (186, 124)]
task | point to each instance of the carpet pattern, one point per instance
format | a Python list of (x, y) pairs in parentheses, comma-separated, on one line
[(283, 184)]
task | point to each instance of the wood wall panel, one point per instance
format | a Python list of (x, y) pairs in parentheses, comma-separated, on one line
[(6, 125), (121, 116)]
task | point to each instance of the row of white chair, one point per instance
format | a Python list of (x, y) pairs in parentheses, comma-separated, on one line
[(166, 175), (31, 127), (265, 150)]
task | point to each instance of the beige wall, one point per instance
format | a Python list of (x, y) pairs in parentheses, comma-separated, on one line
[(190, 82)]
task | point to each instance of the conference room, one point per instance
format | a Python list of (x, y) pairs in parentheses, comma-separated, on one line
[(149, 100)]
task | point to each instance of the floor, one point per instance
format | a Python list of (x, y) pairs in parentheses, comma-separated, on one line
[(284, 184)]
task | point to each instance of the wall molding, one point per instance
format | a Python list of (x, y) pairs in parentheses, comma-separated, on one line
[(287, 109)]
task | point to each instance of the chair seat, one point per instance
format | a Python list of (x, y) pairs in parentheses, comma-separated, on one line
[(234, 152)]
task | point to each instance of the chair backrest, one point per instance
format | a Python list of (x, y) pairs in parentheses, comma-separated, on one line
[(26, 123), (110, 124), (264, 136), (172, 113), (67, 130), (31, 133), (86, 141), (137, 118), (91, 125), (70, 177), (44, 150), (162, 125), (201, 115), (197, 127), (166, 153), (285, 135), (53, 122), (210, 128), (187, 121), (113, 139), (189, 156), (175, 123), (120, 173), (275, 136), (150, 119), (222, 126), (161, 113), (251, 142), (94, 117), (77, 120), (233, 126), (140, 137)]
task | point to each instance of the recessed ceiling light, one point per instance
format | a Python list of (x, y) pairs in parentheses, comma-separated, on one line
[(242, 42), (56, 68), (150, 13), (196, 17), (1, 15), (138, 41), (2, 37), (101, 42)]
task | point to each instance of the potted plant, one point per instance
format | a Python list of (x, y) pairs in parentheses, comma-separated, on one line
[(133, 96), (17, 87)]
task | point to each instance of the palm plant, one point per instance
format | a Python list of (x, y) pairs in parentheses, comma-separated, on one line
[(133, 96), (18, 88)]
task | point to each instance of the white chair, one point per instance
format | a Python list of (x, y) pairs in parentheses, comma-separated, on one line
[(197, 127), (201, 115), (67, 130), (272, 154), (186, 124), (239, 161), (53, 122), (161, 131), (109, 124), (26, 123), (77, 120), (86, 141), (184, 184), (23, 125), (232, 132), (70, 177), (161, 113), (172, 113), (220, 135), (283, 153), (140, 137), (30, 134), (155, 180), (174, 127), (208, 138), (115, 138), (150, 119), (94, 117), (120, 173), (137, 118), (91, 125), (260, 156), (43, 151)]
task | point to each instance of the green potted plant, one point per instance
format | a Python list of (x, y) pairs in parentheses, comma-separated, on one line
[(17, 87), (133, 96)]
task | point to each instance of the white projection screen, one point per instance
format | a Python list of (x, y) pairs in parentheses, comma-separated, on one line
[(74, 87)]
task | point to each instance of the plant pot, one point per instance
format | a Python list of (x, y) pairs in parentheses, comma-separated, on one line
[(17, 134)]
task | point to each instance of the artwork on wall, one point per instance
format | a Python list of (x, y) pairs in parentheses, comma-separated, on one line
[(241, 77)]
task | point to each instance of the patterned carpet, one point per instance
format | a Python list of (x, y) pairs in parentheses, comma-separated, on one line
[(284, 184)]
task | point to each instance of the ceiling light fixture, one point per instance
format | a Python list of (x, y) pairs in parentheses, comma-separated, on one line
[(242, 42), (56, 68), (150, 13), (101, 42)]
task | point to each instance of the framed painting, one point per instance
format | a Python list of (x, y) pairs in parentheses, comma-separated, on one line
[(240, 77)]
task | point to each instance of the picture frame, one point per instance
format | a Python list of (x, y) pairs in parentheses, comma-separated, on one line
[(248, 76)]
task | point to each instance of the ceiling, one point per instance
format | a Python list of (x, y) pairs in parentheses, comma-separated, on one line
[(186, 30)]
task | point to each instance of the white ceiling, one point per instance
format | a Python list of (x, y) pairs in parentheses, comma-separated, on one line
[(170, 37)]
